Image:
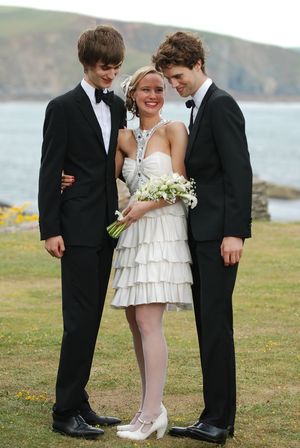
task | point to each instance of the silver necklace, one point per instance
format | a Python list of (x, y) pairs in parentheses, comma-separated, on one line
[(142, 137)]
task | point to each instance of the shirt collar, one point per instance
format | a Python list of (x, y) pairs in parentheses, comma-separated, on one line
[(200, 94), (90, 90)]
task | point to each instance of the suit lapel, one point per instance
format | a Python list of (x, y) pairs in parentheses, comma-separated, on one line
[(86, 109), (197, 123), (114, 128)]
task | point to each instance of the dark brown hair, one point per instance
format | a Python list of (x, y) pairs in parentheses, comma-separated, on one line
[(103, 43), (180, 48)]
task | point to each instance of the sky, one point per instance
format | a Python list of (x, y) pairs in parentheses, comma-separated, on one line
[(274, 22)]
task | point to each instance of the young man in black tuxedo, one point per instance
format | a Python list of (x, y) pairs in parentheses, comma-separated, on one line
[(80, 136), (217, 159)]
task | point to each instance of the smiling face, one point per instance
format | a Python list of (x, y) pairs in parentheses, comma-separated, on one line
[(149, 94), (185, 80), (100, 75)]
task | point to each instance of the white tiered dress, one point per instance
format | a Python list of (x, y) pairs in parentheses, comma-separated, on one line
[(152, 259)]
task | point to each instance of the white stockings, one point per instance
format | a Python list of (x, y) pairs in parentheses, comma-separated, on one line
[(146, 325)]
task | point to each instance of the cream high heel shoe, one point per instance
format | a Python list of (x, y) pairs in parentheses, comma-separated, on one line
[(159, 425), (134, 420)]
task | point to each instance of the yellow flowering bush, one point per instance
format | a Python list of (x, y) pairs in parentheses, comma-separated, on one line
[(11, 216)]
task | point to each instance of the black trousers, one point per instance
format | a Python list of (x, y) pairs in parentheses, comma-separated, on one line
[(212, 294), (85, 274)]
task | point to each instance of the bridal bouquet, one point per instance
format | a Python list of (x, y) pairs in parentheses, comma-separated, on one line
[(169, 187)]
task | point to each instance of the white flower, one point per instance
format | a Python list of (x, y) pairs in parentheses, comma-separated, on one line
[(125, 85), (168, 187)]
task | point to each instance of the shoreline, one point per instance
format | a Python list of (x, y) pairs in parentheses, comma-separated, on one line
[(240, 98), (282, 206), (273, 210), (273, 191)]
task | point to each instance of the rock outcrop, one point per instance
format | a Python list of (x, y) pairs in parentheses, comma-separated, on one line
[(260, 200)]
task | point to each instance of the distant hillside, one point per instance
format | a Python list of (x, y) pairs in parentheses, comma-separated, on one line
[(39, 57)]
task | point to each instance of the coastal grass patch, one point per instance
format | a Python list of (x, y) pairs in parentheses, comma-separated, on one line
[(266, 316)]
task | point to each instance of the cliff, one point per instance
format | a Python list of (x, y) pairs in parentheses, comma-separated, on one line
[(39, 57)]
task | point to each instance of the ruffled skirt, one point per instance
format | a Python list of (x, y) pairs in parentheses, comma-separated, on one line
[(152, 261)]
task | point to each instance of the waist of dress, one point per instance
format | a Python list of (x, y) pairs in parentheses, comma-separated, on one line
[(178, 209)]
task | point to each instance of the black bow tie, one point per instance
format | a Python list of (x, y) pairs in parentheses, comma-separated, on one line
[(190, 103), (107, 97)]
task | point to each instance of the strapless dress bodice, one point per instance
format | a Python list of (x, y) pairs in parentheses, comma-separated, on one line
[(156, 164)]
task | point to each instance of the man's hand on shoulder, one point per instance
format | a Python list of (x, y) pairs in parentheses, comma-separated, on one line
[(231, 250), (55, 246)]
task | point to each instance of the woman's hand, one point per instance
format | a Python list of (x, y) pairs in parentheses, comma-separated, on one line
[(67, 180), (135, 211)]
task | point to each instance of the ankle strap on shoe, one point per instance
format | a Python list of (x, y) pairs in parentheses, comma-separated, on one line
[(144, 422)]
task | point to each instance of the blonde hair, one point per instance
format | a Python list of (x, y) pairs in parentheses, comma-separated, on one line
[(130, 84)]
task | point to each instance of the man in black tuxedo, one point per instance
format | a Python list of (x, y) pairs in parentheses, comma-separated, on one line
[(217, 159), (80, 136)]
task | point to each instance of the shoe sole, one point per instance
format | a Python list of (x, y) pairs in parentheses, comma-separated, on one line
[(177, 435), (98, 425), (88, 437), (206, 438), (230, 435)]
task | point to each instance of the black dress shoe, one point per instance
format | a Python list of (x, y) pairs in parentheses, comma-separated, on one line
[(207, 433), (75, 427), (91, 418), (178, 431)]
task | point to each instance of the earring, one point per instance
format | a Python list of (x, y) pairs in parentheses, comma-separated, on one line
[(133, 108)]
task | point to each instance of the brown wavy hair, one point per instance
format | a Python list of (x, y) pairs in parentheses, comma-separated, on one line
[(180, 48)]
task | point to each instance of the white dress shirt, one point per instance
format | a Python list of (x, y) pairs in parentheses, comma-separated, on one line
[(102, 112), (199, 95)]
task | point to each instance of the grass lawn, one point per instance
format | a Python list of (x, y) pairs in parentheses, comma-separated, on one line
[(266, 307)]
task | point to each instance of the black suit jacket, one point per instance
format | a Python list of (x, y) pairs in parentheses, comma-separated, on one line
[(73, 142), (217, 159)]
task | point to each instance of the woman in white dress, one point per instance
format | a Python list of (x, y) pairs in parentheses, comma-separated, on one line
[(152, 259)]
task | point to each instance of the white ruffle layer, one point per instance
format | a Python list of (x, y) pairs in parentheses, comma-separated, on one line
[(148, 230), (145, 293), (153, 273), (172, 251)]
